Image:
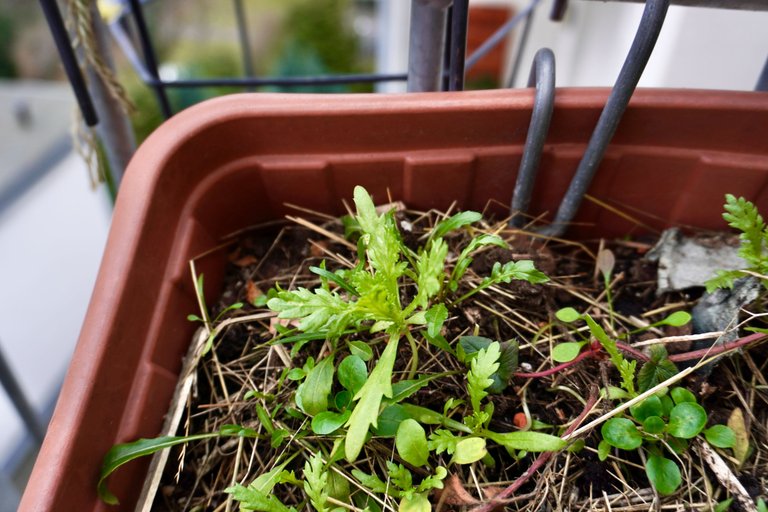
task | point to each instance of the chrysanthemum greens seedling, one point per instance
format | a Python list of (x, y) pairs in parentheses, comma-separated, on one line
[(369, 299)]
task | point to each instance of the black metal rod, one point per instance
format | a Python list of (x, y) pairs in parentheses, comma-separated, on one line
[(762, 81), (498, 36), (557, 13), (244, 37), (149, 57), (639, 53), (297, 81), (522, 42), (459, 18), (19, 400), (69, 60), (543, 77)]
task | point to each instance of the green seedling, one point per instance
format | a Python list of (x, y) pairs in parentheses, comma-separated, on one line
[(662, 424), (743, 215), (370, 300)]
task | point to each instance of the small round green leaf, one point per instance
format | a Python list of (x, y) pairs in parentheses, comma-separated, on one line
[(603, 449), (663, 474), (667, 404), (327, 422), (564, 352), (469, 450), (352, 373), (680, 395), (342, 399), (720, 436), (679, 446), (390, 419), (411, 442), (621, 433), (686, 420), (567, 315), (651, 406), (677, 319), (653, 425)]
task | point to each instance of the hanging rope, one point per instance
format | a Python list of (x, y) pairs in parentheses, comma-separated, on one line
[(80, 24)]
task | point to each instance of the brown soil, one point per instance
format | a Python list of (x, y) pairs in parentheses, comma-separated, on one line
[(243, 360)]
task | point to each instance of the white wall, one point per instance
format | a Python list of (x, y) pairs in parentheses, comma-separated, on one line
[(697, 48)]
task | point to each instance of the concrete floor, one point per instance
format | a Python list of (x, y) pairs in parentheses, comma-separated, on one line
[(53, 227)]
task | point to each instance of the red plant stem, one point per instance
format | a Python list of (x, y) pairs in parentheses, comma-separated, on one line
[(542, 459), (717, 349), (546, 373), (675, 358)]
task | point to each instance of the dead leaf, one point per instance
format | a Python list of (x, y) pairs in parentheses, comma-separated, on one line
[(455, 494), (739, 427), (317, 248), (245, 261), (491, 492), (252, 292)]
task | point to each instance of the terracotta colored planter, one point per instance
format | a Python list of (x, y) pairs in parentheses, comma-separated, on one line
[(235, 161)]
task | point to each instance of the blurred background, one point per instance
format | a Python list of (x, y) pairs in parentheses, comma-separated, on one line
[(55, 210)]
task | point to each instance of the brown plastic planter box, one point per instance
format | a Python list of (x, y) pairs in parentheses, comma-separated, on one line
[(234, 162)]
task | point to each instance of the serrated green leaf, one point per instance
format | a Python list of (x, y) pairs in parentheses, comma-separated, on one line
[(482, 367), (372, 482), (656, 370), (469, 450), (454, 222), (663, 474), (258, 495), (626, 369), (312, 394), (126, 452), (430, 272), (411, 443), (380, 237), (568, 351), (433, 481), (318, 311), (442, 440), (621, 433), (686, 420), (316, 482), (366, 412), (352, 373), (720, 436)]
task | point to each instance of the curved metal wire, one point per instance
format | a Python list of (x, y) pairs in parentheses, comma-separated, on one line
[(642, 46), (543, 77)]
